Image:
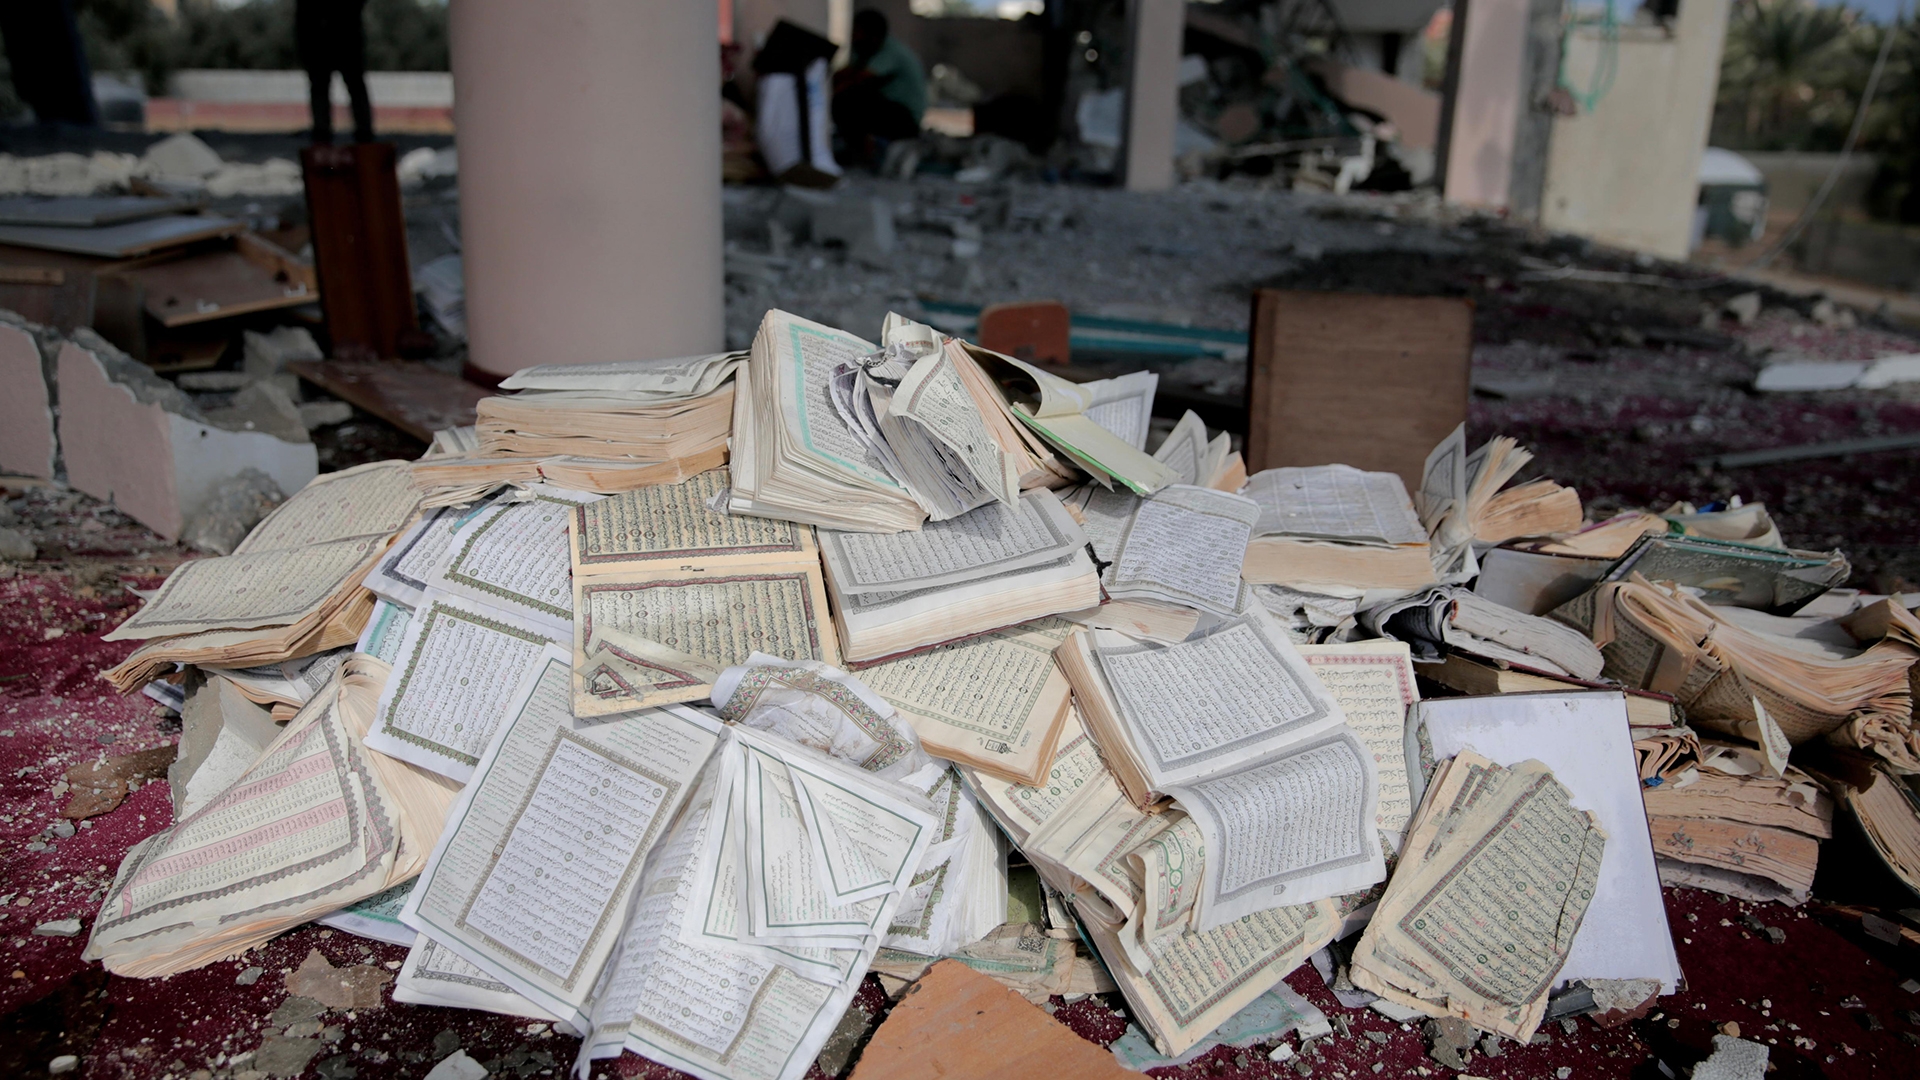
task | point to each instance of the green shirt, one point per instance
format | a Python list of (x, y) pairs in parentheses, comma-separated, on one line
[(901, 78)]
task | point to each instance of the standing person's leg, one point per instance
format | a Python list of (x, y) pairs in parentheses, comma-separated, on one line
[(356, 80), (350, 53), (320, 101)]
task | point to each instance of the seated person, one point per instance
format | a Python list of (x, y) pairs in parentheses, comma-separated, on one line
[(881, 94)]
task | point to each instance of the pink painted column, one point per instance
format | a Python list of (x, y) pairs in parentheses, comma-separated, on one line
[(589, 139)]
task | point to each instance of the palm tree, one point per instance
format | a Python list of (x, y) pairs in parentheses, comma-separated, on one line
[(1775, 62)]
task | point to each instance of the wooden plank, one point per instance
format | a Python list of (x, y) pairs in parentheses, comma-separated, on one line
[(360, 250), (215, 285), (122, 241), (1369, 381), (957, 1024), (407, 394)]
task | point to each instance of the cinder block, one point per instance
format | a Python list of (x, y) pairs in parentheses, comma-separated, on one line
[(26, 411), (135, 440)]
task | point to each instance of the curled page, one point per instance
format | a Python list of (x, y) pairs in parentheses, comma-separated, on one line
[(1298, 827)]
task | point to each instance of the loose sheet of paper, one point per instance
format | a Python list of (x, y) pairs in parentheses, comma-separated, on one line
[(545, 845)]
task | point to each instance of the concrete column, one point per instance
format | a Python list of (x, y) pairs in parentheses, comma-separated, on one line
[(1153, 92), (589, 136)]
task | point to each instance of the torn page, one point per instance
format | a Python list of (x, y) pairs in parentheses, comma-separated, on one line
[(1373, 682), (1294, 828)]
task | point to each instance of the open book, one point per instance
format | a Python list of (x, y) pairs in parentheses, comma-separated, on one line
[(993, 567), (669, 591), (924, 422), (1253, 757), (325, 823), (1336, 525), (995, 702), (1178, 559), (545, 844)]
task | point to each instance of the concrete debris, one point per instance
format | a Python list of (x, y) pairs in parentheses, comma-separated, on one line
[(425, 164), (16, 546), (230, 513), (63, 1065), (1733, 1059), (269, 353), (296, 1010), (457, 1066), (1832, 316), (249, 976), (1745, 308), (847, 1037), (214, 382), (864, 226), (1617, 1001), (318, 414), (264, 407), (361, 986), (1449, 1040), (1804, 375), (58, 928), (282, 1056), (275, 176)]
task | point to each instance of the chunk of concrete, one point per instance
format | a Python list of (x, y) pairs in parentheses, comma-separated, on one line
[(230, 513), (1889, 370), (135, 440), (27, 446), (221, 735), (269, 353), (863, 225), (16, 546), (1808, 375), (457, 1066), (182, 159), (1733, 1059), (261, 406)]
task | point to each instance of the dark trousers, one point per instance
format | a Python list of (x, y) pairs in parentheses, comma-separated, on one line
[(319, 85), (330, 37)]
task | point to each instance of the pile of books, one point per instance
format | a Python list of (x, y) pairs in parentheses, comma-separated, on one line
[(674, 698)]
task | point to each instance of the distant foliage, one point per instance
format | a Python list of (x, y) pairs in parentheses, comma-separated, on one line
[(134, 35)]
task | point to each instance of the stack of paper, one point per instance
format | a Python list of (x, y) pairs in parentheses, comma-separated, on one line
[(1448, 618), (325, 823), (1484, 831)]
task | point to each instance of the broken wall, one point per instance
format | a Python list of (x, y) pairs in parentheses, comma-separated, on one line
[(1628, 171), (133, 439)]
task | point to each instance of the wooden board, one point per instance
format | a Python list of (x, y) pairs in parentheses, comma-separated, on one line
[(1369, 381), (957, 1024), (214, 285), (360, 249), (407, 394), (86, 212), (122, 241)]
